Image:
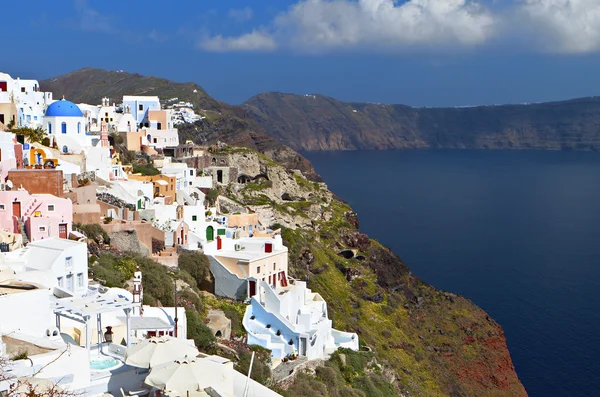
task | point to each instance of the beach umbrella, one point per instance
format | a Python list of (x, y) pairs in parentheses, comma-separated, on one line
[(27, 386), (192, 375), (159, 350)]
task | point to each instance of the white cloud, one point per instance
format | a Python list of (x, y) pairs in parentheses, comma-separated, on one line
[(315, 25), (241, 14), (91, 20), (570, 26), (385, 23), (254, 41)]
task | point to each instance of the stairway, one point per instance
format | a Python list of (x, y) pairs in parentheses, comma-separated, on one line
[(23, 231)]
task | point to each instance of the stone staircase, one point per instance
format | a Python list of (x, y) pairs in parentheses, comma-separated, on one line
[(23, 231)]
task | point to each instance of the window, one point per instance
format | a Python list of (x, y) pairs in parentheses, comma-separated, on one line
[(60, 282), (79, 128), (141, 107), (155, 141), (22, 89), (42, 228), (190, 183), (274, 266), (194, 217), (257, 269), (49, 128), (80, 279), (192, 172), (69, 262), (50, 207), (2, 207), (159, 126), (35, 117), (64, 127)]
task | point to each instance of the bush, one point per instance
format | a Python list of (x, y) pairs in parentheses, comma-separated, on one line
[(157, 245), (196, 264), (261, 368), (157, 281), (95, 232), (306, 386), (199, 332), (190, 300), (106, 270), (146, 169), (212, 196), (236, 321)]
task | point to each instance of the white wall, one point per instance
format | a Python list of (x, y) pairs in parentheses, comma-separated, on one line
[(27, 312)]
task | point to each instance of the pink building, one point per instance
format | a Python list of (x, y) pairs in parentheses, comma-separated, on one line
[(41, 215)]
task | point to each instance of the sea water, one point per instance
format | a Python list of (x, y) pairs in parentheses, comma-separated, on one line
[(517, 232)]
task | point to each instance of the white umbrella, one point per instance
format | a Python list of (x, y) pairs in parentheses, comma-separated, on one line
[(26, 385), (191, 375), (159, 350)]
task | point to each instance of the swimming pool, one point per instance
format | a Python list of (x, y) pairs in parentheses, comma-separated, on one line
[(102, 364)]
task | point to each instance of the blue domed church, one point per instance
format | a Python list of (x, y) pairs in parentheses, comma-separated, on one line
[(66, 125)]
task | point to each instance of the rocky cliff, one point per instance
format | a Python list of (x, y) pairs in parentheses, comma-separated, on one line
[(314, 122), (424, 342)]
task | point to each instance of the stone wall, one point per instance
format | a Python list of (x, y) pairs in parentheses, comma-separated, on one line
[(144, 232), (38, 181)]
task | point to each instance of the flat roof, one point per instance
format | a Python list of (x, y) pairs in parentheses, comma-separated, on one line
[(146, 323), (89, 305), (55, 243)]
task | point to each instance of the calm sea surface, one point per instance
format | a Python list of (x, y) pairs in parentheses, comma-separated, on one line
[(517, 232)]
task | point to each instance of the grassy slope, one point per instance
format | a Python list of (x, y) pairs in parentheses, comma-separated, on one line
[(433, 343)]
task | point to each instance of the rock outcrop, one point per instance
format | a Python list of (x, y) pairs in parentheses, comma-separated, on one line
[(316, 122)]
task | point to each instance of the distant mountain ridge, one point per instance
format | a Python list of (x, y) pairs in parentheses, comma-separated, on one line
[(316, 122), (230, 124)]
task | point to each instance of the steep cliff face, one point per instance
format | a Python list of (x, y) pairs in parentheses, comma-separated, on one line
[(314, 122), (425, 342)]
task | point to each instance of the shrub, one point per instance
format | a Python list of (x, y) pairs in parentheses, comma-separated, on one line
[(196, 264), (190, 300), (145, 169), (157, 245), (126, 266), (261, 368), (199, 332), (212, 196), (95, 232), (236, 321)]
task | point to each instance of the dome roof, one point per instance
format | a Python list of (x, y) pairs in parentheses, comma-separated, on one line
[(63, 108)]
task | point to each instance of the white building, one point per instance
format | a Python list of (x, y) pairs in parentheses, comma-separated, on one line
[(185, 176), (238, 265), (138, 106), (66, 259), (27, 97), (293, 320), (66, 125)]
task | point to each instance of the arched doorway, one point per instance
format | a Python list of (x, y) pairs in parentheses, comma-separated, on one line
[(210, 233), (218, 334)]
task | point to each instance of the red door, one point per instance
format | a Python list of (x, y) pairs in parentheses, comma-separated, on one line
[(252, 288), (62, 230), (16, 209)]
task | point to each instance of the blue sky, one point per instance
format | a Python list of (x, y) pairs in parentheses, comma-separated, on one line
[(417, 52)]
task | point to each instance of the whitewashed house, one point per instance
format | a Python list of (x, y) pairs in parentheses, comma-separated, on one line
[(293, 320), (66, 259)]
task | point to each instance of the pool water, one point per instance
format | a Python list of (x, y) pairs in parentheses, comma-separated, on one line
[(104, 363)]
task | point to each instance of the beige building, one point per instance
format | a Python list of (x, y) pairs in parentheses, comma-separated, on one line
[(237, 265)]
